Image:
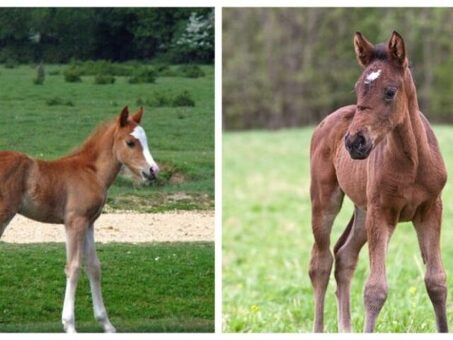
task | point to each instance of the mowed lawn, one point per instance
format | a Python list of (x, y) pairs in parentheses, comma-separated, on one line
[(181, 139), (166, 287), (267, 241)]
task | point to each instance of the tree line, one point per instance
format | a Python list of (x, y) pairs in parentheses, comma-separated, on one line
[(291, 67), (57, 35)]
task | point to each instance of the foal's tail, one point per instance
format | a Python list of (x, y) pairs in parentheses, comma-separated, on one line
[(344, 236)]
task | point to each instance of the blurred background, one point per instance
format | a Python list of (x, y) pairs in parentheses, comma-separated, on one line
[(289, 67)]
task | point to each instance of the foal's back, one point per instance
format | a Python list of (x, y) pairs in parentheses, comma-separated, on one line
[(48, 191)]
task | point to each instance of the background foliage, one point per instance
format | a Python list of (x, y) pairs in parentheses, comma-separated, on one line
[(290, 67), (56, 35)]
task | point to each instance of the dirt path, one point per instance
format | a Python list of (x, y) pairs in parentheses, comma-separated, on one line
[(122, 227)]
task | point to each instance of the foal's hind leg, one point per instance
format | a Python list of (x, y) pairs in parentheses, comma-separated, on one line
[(326, 203), (93, 268), (428, 226), (346, 256), (75, 238)]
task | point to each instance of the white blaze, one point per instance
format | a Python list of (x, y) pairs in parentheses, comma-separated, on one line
[(140, 134), (372, 76)]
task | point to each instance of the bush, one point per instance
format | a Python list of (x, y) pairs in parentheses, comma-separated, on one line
[(145, 75), (183, 99), (104, 79), (190, 71), (160, 99), (54, 101), (72, 74), (40, 75), (10, 63)]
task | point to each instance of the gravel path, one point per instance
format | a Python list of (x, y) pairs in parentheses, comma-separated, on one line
[(122, 227)]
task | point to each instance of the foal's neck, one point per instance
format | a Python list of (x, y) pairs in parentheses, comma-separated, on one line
[(409, 136), (98, 152)]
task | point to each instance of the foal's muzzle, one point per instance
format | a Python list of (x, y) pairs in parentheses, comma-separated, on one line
[(152, 174), (359, 145)]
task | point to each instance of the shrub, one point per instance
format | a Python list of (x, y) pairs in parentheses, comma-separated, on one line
[(159, 99), (54, 73), (145, 75), (183, 99), (10, 63), (72, 74), (190, 71), (40, 75), (104, 79), (54, 101)]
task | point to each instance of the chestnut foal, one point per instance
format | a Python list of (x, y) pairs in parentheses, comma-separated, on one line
[(381, 153), (72, 191)]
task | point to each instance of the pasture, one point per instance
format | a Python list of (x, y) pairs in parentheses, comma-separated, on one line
[(167, 287), (151, 287), (49, 120), (267, 241)]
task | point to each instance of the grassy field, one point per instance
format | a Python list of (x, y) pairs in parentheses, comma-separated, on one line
[(267, 241), (146, 288), (181, 138), (165, 287)]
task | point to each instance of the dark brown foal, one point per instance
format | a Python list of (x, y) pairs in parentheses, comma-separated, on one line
[(381, 153)]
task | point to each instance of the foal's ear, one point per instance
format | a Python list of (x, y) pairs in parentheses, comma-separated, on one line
[(397, 50), (123, 116), (137, 117), (363, 49)]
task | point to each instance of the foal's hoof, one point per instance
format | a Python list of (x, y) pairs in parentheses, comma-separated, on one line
[(109, 329)]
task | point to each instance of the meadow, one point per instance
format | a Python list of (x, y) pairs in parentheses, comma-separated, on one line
[(267, 242), (151, 287), (46, 121), (167, 287)]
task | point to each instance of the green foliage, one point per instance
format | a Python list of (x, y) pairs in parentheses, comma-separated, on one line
[(40, 75), (55, 101), (183, 99), (167, 99), (54, 35), (197, 40), (72, 74), (183, 148), (190, 71), (290, 67), (267, 241), (143, 75), (10, 63), (104, 79), (172, 289)]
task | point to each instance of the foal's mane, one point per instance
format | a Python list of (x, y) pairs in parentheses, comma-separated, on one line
[(92, 141)]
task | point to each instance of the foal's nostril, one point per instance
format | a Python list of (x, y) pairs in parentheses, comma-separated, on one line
[(360, 140)]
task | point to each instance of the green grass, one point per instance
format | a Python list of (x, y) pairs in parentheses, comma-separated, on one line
[(267, 241), (181, 138), (164, 287)]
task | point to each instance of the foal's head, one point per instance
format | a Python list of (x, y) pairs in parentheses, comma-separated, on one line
[(131, 146), (382, 92)]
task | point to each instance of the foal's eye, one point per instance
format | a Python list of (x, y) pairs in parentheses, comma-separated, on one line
[(130, 143), (389, 93)]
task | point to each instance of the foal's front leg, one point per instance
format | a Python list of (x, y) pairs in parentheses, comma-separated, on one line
[(380, 225), (75, 238), (93, 268)]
